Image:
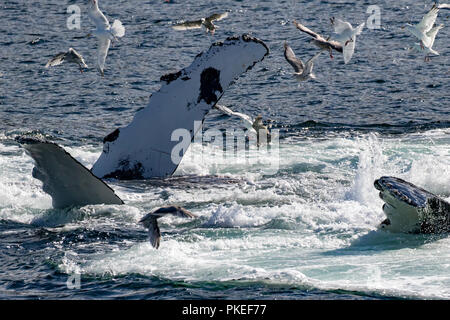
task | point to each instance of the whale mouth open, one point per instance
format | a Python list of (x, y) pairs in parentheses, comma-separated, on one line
[(411, 209)]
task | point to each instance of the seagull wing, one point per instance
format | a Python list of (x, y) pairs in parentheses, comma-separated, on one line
[(103, 47), (432, 34), (358, 30), (307, 30), (428, 20), (444, 6), (174, 210), (248, 121), (99, 19), (217, 16), (154, 234), (341, 26), (322, 41), (290, 57), (188, 25), (77, 57), (56, 60), (223, 109), (310, 63), (348, 50)]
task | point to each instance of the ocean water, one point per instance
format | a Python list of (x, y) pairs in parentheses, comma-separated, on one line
[(306, 231)]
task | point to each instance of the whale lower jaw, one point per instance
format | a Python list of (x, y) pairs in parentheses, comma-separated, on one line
[(411, 209)]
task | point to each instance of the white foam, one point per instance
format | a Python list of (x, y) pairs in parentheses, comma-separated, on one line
[(312, 224)]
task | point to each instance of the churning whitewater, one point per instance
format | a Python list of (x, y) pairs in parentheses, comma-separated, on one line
[(313, 226)]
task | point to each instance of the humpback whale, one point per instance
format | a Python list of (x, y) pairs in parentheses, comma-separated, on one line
[(412, 209), (143, 148)]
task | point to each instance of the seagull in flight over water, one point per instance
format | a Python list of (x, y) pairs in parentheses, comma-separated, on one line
[(345, 34), (206, 22), (320, 41), (104, 32), (303, 71), (428, 49), (71, 56), (150, 221), (425, 31), (421, 29)]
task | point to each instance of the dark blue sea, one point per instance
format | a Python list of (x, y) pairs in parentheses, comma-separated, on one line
[(307, 231)]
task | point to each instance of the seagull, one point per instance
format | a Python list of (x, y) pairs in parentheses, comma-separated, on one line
[(421, 29), (104, 32), (150, 221), (206, 22), (428, 49), (346, 35), (319, 41), (247, 120), (70, 56), (302, 72)]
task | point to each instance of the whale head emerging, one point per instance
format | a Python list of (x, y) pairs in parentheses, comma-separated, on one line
[(411, 209)]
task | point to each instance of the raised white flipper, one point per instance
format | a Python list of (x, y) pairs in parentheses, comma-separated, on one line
[(144, 148)]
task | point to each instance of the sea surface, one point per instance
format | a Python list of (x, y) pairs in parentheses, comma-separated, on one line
[(308, 230)]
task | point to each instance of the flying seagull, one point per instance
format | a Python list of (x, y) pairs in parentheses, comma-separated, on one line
[(345, 34), (150, 221), (302, 71), (206, 22), (319, 41), (71, 56), (421, 29), (104, 32), (429, 49)]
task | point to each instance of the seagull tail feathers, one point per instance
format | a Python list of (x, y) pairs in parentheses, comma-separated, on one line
[(117, 29)]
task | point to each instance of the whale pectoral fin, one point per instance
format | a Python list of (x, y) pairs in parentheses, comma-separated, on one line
[(146, 147), (66, 180)]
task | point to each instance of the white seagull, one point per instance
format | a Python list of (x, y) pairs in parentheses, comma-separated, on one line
[(104, 32), (422, 29), (71, 56), (429, 49), (206, 22), (150, 221), (302, 71), (346, 35)]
